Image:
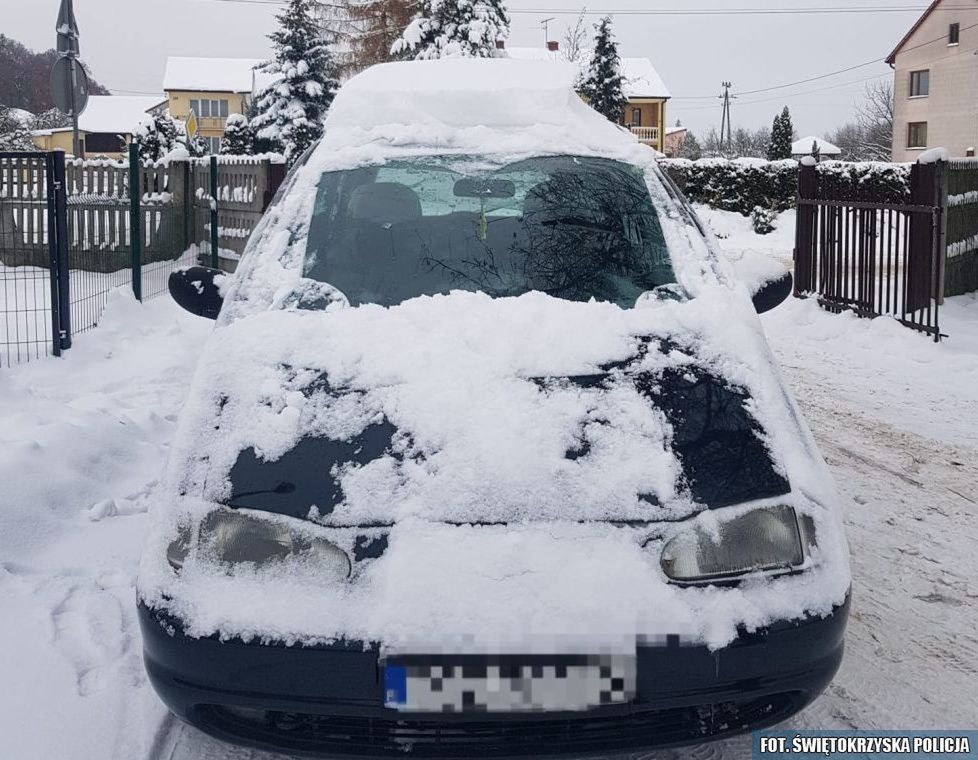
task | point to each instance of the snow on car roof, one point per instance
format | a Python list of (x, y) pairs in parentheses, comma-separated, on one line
[(117, 113), (441, 102), (640, 75), (210, 74)]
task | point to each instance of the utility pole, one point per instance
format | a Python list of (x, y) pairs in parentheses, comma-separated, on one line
[(546, 29), (725, 121)]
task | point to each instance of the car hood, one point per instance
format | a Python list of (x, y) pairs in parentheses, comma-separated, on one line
[(468, 409)]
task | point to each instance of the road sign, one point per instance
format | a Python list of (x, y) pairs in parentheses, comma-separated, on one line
[(67, 29), (69, 86), (192, 126)]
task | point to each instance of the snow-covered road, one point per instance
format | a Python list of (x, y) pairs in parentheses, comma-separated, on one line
[(83, 440)]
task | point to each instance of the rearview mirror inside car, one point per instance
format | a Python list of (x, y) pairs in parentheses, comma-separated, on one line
[(196, 290), (484, 188)]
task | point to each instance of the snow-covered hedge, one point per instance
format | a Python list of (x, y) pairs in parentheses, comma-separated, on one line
[(743, 184)]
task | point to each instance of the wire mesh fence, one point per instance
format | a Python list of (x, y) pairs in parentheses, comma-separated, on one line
[(26, 210), (71, 232)]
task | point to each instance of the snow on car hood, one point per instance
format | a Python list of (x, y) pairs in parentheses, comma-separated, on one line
[(522, 411), (468, 409)]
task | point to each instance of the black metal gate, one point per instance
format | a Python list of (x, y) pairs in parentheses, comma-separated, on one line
[(874, 256), (35, 316)]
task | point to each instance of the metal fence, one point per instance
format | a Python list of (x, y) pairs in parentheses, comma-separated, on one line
[(961, 266), (29, 205), (70, 233), (871, 255)]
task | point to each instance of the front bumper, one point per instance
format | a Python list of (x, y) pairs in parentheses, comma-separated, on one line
[(328, 700)]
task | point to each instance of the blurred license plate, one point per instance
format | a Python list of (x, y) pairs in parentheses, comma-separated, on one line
[(520, 683)]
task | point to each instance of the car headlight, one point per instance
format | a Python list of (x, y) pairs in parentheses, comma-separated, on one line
[(234, 538), (766, 539)]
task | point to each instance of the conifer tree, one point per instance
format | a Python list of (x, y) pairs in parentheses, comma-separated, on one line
[(454, 29), (602, 85), (239, 138), (691, 148), (289, 111), (782, 135)]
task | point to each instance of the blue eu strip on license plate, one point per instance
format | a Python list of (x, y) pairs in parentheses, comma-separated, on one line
[(395, 686)]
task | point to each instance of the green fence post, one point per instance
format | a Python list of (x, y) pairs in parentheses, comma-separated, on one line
[(135, 221), (214, 229)]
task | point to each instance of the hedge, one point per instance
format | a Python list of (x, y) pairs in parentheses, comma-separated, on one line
[(744, 184)]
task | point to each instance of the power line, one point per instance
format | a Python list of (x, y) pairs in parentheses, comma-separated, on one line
[(782, 11)]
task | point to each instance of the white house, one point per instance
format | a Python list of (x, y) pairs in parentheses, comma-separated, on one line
[(806, 146)]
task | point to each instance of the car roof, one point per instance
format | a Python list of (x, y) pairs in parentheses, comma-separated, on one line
[(482, 105)]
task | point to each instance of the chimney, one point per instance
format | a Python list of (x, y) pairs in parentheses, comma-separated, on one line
[(552, 46)]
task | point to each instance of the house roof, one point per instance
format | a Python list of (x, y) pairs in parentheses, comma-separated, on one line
[(675, 130), (117, 113), (891, 58), (641, 78), (210, 74), (803, 147)]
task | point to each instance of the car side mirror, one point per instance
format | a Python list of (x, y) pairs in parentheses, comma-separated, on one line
[(196, 290), (773, 293)]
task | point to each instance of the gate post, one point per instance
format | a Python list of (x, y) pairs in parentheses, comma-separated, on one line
[(215, 262), (135, 221), (52, 225), (804, 229), (63, 265)]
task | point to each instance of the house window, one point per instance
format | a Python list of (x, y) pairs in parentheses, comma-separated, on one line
[(636, 117), (954, 34), (209, 109), (919, 84), (213, 145), (917, 134)]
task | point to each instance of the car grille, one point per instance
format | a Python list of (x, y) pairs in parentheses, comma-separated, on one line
[(372, 736)]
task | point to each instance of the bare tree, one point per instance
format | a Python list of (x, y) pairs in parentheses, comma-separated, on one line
[(751, 143), (575, 39), (875, 119)]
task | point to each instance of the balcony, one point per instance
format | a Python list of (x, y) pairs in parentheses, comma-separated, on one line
[(646, 135)]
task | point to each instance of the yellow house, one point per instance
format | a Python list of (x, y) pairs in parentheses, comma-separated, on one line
[(214, 88), (645, 114), (105, 127)]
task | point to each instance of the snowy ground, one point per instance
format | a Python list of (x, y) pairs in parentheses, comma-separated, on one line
[(83, 440)]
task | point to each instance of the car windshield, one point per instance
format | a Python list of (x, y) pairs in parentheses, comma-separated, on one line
[(572, 227)]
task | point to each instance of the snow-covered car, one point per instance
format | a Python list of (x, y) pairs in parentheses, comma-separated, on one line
[(487, 454)]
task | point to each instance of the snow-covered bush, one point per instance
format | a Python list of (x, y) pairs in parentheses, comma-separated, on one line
[(289, 112), (15, 134), (239, 137), (763, 219), (156, 136), (743, 184), (454, 28), (737, 185)]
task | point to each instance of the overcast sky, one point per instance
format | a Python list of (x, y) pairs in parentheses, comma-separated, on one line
[(126, 42)]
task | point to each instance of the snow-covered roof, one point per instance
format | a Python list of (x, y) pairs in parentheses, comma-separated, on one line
[(803, 147), (641, 78), (675, 130), (210, 74), (117, 113)]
